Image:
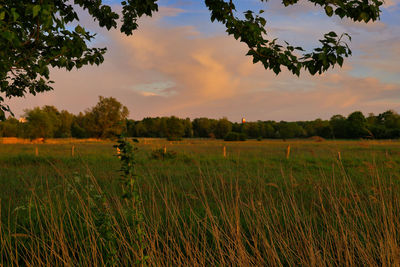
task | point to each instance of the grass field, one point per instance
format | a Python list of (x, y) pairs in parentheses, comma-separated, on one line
[(253, 207)]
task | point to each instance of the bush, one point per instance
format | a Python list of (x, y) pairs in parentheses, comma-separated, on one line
[(234, 136)]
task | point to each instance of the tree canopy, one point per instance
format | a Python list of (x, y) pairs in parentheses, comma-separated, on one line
[(108, 119), (36, 35)]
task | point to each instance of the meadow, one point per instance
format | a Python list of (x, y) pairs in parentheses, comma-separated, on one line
[(326, 203)]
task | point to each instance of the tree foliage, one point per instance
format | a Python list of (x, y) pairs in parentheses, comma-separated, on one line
[(108, 119), (36, 35), (42, 123), (222, 128)]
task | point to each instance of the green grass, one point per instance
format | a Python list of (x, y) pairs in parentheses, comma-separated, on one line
[(254, 207)]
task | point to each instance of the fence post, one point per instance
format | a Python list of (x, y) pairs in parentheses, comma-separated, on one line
[(224, 152), (288, 152), (36, 151), (73, 151)]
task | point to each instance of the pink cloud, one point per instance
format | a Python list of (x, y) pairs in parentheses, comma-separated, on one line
[(209, 76)]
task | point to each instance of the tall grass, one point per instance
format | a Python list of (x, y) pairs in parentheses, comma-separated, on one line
[(334, 224), (220, 222), (205, 210), (74, 225)]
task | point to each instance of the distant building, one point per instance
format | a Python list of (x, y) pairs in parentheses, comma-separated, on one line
[(22, 120), (243, 120)]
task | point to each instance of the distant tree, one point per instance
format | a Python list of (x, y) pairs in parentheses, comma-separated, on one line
[(320, 128), (387, 125), (187, 124), (339, 126), (10, 128), (357, 125), (51, 110), (140, 129), (163, 127), (175, 128), (203, 127), (78, 127), (65, 127), (40, 123), (78, 132), (289, 130), (390, 119), (54, 115), (222, 127), (106, 119), (269, 130), (152, 126), (261, 129), (251, 129), (372, 119), (130, 128), (237, 127)]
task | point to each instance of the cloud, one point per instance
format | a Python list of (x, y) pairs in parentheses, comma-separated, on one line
[(164, 88), (390, 3), (355, 27), (163, 70)]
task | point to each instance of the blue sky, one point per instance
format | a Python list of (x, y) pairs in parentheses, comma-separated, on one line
[(179, 63)]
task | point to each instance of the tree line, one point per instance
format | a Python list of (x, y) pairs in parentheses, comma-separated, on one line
[(109, 118)]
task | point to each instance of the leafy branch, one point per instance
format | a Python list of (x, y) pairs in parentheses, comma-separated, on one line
[(251, 31)]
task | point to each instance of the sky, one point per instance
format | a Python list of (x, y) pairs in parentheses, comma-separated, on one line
[(179, 63)]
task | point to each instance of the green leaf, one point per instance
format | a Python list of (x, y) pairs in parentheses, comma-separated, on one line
[(2, 15), (35, 10), (263, 22), (14, 14), (329, 11), (79, 29), (340, 61), (332, 34), (8, 35), (364, 16)]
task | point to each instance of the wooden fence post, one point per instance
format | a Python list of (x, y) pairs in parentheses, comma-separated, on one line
[(288, 152), (73, 151), (36, 151), (224, 152)]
